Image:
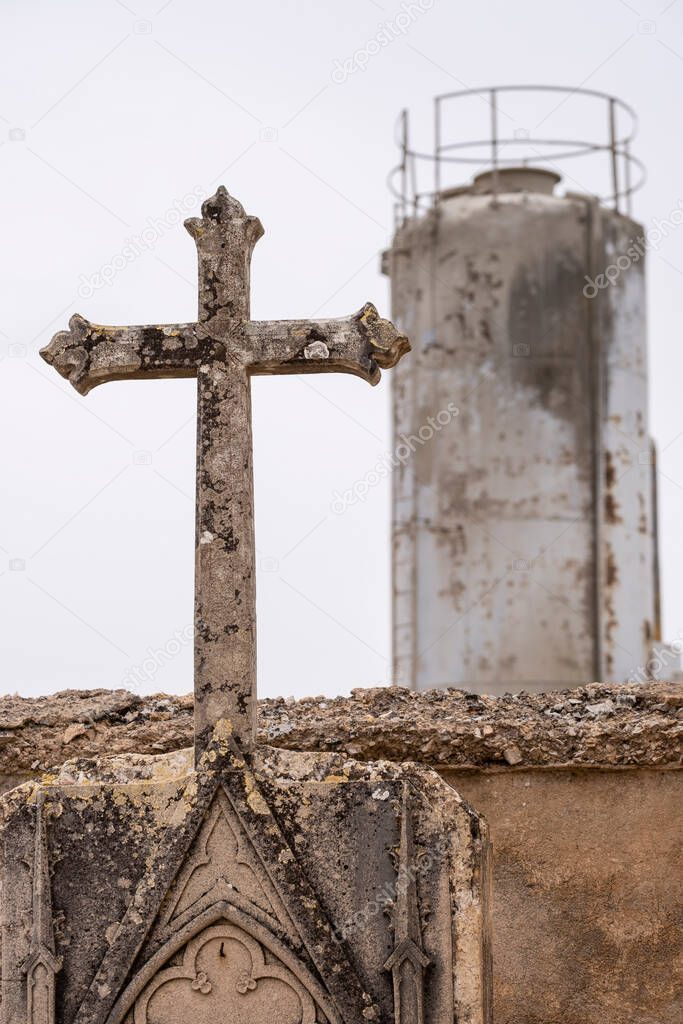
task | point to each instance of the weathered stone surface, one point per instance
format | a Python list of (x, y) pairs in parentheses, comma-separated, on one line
[(562, 839), (633, 725), (180, 895)]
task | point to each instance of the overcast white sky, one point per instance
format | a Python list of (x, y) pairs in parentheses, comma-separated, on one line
[(112, 113)]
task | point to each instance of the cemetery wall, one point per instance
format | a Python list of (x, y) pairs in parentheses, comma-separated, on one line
[(583, 793)]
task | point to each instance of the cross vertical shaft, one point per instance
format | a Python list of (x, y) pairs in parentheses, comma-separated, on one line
[(225, 593), (225, 588)]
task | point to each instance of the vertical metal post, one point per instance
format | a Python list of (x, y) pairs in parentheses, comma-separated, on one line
[(595, 372), (494, 142), (437, 148), (404, 163), (627, 177), (657, 625), (613, 151), (413, 184)]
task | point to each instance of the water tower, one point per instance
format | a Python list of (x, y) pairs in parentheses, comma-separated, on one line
[(524, 538)]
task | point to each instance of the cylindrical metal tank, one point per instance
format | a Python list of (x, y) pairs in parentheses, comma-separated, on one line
[(523, 526)]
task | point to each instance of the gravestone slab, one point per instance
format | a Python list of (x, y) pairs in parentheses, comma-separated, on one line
[(299, 888), (245, 884)]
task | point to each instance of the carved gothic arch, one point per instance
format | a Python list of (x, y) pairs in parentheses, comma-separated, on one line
[(340, 988), (233, 984), (228, 915), (259, 897)]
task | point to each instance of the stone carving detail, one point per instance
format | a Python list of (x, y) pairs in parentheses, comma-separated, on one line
[(202, 984), (226, 976), (181, 902), (223, 865), (42, 964), (408, 961)]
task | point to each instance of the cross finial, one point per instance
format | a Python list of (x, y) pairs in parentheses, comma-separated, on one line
[(225, 237), (223, 349)]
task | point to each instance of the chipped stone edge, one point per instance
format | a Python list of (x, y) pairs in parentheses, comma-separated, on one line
[(598, 726)]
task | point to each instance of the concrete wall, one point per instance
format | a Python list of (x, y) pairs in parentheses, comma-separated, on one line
[(582, 791), (587, 894)]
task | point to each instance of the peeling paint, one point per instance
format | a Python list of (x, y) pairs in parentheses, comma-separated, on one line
[(501, 523)]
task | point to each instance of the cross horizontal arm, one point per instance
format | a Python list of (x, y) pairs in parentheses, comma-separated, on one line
[(90, 354), (358, 344)]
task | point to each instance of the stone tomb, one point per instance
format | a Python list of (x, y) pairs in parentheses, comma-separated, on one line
[(293, 888), (245, 885)]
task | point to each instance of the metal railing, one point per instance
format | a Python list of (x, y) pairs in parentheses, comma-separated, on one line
[(406, 179)]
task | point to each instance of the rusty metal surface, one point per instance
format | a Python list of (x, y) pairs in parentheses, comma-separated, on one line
[(523, 546)]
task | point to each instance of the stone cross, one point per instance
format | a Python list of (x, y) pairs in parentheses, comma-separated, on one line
[(287, 886), (222, 349)]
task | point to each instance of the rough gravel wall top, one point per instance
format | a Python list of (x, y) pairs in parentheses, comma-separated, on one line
[(596, 726)]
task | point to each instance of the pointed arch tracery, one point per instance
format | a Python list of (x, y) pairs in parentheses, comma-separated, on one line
[(258, 961)]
